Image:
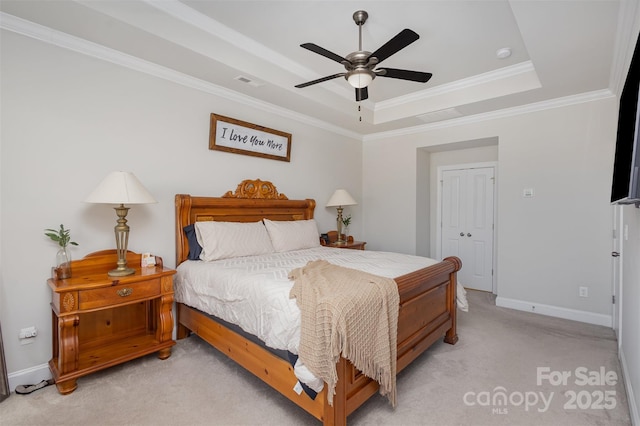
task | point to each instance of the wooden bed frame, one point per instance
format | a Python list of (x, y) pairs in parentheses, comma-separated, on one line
[(427, 304)]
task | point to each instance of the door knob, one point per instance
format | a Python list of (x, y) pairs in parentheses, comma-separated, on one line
[(615, 254), (468, 234), (462, 234)]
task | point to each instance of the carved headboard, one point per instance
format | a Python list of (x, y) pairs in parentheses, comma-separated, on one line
[(252, 201)]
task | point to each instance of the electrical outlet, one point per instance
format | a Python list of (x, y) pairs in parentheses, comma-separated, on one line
[(583, 292), (28, 332)]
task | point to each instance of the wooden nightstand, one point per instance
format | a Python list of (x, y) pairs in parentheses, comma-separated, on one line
[(101, 321), (354, 245)]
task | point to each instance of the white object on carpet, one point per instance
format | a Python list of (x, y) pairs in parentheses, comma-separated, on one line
[(461, 298)]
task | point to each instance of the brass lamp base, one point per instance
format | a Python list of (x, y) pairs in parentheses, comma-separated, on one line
[(339, 226), (121, 272), (122, 241)]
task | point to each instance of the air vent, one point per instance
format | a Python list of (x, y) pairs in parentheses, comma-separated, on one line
[(441, 115), (249, 81)]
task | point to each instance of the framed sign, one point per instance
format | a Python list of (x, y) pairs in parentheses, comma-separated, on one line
[(231, 135)]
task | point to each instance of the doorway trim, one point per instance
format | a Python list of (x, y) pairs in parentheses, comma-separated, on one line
[(467, 166)]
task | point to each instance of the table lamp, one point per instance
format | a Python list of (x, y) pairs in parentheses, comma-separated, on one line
[(339, 199), (121, 188)]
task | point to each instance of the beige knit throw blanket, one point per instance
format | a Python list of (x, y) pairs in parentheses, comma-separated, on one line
[(349, 312)]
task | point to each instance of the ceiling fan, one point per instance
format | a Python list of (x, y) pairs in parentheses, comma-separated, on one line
[(361, 65)]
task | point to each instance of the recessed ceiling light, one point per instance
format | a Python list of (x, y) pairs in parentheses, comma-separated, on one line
[(503, 53)]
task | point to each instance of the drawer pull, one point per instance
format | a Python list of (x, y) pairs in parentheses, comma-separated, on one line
[(124, 292)]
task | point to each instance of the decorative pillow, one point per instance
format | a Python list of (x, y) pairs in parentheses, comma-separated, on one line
[(290, 235), (223, 240), (194, 248)]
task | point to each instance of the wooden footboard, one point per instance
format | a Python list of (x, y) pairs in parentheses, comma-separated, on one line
[(427, 312), (427, 309)]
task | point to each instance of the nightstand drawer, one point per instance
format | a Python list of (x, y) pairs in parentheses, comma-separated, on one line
[(109, 296)]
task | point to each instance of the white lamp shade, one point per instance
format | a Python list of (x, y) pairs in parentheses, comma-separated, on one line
[(341, 198), (120, 188), (359, 79)]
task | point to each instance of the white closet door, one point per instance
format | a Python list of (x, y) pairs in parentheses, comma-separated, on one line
[(467, 224)]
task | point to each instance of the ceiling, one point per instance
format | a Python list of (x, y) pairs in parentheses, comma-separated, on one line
[(558, 48)]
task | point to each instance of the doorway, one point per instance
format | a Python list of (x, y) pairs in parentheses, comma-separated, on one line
[(466, 206)]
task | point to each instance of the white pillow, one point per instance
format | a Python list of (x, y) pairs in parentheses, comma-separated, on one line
[(290, 235), (223, 240)]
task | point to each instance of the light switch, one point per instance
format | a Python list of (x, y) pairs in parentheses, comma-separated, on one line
[(527, 192)]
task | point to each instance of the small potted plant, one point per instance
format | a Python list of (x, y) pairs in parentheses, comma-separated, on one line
[(346, 221), (63, 257)]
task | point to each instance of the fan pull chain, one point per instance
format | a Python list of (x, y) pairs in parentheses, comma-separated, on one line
[(360, 114)]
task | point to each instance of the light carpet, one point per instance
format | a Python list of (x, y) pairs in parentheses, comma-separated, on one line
[(490, 377)]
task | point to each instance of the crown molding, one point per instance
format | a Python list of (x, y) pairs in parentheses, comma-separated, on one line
[(58, 38), (494, 115), (209, 25), (465, 83), (47, 35), (206, 24)]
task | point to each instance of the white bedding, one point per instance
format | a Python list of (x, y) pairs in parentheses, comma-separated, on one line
[(253, 292)]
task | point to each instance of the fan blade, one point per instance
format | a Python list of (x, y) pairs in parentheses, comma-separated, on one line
[(399, 42), (324, 52), (421, 77), (320, 80), (362, 94)]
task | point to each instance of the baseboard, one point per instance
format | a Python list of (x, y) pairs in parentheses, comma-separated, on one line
[(555, 311), (633, 407), (29, 376)]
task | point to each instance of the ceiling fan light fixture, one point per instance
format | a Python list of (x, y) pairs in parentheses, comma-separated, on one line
[(360, 65), (360, 78)]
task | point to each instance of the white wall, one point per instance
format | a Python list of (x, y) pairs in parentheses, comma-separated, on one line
[(68, 120), (548, 245), (423, 203)]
